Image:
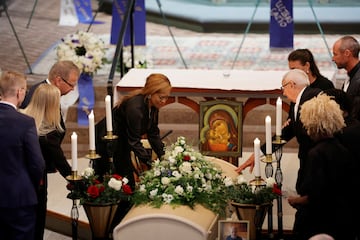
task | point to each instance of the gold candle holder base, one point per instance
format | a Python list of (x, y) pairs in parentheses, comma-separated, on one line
[(109, 136), (257, 182), (267, 159), (92, 155), (74, 176), (278, 140)]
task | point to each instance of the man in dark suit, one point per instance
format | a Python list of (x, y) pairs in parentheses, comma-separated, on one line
[(295, 86), (346, 55), (22, 164), (64, 75)]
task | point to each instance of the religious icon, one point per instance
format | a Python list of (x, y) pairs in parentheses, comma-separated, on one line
[(220, 128)]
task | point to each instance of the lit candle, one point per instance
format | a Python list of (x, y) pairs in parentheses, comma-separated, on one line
[(257, 157), (268, 134), (74, 151), (91, 131), (278, 116), (108, 113)]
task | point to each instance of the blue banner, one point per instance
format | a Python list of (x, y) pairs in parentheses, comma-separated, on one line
[(139, 19), (86, 98), (281, 24), (84, 11)]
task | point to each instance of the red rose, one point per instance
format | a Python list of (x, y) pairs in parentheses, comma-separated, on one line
[(117, 177), (127, 189), (93, 191), (186, 158), (101, 188), (276, 190)]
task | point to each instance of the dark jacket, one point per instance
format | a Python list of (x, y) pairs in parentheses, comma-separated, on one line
[(296, 129), (329, 180), (132, 121), (22, 164), (53, 153)]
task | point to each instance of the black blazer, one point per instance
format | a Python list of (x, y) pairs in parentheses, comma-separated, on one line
[(296, 129)]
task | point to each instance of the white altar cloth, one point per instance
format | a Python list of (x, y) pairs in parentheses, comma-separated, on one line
[(249, 80)]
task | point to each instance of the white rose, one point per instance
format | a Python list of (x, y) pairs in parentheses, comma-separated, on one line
[(228, 181), (241, 179), (88, 172), (270, 181), (179, 190), (115, 184), (165, 180), (153, 193), (142, 188), (125, 180)]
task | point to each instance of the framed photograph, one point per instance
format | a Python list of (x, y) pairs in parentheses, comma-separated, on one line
[(221, 128), (234, 230)]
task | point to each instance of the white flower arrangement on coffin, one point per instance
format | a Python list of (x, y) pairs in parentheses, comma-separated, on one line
[(141, 60), (182, 177), (85, 49)]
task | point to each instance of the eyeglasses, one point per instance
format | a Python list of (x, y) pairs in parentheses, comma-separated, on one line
[(163, 98), (69, 84), (283, 86)]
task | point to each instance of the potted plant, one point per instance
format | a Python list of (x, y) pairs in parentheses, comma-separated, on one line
[(251, 201), (100, 197)]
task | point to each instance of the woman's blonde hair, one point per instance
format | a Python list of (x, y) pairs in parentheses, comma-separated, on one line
[(321, 116), (155, 83), (44, 107)]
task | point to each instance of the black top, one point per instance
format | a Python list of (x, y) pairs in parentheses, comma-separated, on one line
[(133, 121), (328, 181), (322, 83)]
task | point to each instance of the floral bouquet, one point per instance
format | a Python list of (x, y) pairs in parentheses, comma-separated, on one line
[(109, 190), (239, 191), (85, 49), (182, 177), (140, 59)]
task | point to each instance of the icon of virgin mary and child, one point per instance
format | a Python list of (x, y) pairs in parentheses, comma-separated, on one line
[(220, 132)]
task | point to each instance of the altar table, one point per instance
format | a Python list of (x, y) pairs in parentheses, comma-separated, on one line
[(256, 87)]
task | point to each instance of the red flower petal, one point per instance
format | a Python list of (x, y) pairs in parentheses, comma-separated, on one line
[(127, 189)]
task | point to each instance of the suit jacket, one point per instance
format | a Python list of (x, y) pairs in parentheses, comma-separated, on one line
[(22, 164), (30, 93), (296, 129), (353, 90), (354, 86)]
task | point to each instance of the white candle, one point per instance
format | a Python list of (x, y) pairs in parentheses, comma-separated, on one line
[(268, 135), (91, 131), (257, 157), (108, 113), (278, 116), (74, 151)]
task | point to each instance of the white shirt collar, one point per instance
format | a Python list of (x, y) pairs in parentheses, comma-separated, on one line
[(9, 103)]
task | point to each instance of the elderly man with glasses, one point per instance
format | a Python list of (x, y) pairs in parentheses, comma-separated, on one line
[(64, 75), (295, 86)]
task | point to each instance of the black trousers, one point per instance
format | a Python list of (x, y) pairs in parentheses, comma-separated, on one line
[(41, 210)]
